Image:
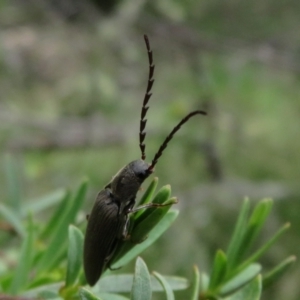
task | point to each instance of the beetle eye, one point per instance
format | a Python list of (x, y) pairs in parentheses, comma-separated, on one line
[(140, 169), (142, 174)]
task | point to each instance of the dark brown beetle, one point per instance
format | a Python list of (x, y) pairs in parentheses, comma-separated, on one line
[(108, 221)]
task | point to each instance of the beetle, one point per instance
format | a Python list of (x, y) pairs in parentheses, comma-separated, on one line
[(108, 220)]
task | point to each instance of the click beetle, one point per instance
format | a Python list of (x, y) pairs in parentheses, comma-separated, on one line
[(108, 220)]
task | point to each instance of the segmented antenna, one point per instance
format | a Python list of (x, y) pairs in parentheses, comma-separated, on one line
[(170, 136), (148, 94)]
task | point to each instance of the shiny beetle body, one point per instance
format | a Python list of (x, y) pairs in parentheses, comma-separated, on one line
[(108, 221)]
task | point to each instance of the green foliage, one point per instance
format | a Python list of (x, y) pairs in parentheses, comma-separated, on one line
[(141, 287), (74, 255), (239, 58), (23, 269), (236, 274), (50, 257)]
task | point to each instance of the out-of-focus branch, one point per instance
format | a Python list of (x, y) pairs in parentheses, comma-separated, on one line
[(66, 133), (271, 53)]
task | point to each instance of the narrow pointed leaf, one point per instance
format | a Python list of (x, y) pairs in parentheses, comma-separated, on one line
[(58, 242), (50, 287), (122, 283), (161, 197), (44, 202), (237, 237), (163, 194), (13, 183), (74, 255), (130, 253), (106, 296), (164, 283), (218, 271), (256, 222), (85, 294), (140, 232), (45, 295), (204, 282), (264, 248), (58, 216), (13, 219), (251, 291), (141, 287), (278, 271), (195, 285), (21, 274), (240, 280), (148, 194)]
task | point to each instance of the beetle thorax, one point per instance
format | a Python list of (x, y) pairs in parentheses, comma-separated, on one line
[(127, 182)]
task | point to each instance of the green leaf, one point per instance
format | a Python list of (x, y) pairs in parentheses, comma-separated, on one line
[(58, 243), (148, 194), (140, 232), (43, 203), (13, 184), (195, 285), (139, 228), (256, 222), (42, 281), (161, 197), (85, 294), (240, 280), (48, 295), (264, 248), (129, 253), (176, 283), (121, 283), (59, 256), (218, 271), (237, 237), (106, 296), (251, 291), (13, 219), (21, 274), (141, 287), (164, 283), (58, 216), (204, 282), (278, 271), (45, 288), (75, 252)]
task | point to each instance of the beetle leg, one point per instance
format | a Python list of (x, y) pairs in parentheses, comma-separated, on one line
[(111, 268), (148, 205), (108, 258), (139, 241), (125, 230)]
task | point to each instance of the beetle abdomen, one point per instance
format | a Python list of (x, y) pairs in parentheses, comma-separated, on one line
[(101, 236)]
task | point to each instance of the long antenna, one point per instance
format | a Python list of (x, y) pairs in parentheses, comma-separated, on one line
[(170, 136), (148, 94)]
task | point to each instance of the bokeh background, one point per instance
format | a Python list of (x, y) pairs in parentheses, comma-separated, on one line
[(72, 78)]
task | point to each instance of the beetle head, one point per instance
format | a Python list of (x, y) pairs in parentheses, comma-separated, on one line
[(127, 182), (141, 169)]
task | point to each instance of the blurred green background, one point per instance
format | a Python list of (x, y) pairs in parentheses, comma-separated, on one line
[(72, 79)]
